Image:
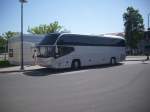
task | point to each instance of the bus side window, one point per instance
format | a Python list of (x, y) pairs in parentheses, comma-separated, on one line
[(60, 42), (63, 50)]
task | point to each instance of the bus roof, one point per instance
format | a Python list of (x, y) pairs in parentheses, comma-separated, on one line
[(113, 36)]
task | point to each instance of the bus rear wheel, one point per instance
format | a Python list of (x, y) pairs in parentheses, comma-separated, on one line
[(113, 61), (75, 64)]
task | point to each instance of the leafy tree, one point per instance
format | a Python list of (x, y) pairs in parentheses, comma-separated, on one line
[(65, 31), (44, 29), (2, 44), (9, 34), (4, 40), (134, 26)]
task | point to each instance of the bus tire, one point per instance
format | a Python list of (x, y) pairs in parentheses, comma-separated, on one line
[(113, 61), (76, 64)]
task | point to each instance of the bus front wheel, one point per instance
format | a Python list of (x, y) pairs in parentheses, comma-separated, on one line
[(76, 64)]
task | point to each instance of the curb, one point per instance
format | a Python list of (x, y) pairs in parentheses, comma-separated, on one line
[(18, 70), (11, 71), (136, 60)]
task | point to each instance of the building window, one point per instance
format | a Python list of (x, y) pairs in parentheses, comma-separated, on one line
[(10, 52)]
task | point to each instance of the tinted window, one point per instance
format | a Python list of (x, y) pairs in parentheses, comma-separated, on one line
[(84, 40), (69, 39), (49, 39), (120, 42), (63, 50)]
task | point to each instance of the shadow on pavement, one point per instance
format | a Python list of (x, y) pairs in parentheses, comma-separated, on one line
[(145, 62), (49, 71)]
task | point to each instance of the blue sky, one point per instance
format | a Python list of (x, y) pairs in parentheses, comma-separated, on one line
[(78, 16)]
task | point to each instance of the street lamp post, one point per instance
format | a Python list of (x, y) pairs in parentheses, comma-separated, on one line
[(21, 38), (148, 22), (148, 29)]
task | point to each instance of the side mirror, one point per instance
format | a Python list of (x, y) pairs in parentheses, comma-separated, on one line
[(56, 50)]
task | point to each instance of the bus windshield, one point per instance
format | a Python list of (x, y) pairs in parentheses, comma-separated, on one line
[(46, 51), (46, 47), (49, 39)]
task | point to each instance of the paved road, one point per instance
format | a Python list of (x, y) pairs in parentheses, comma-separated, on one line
[(122, 88)]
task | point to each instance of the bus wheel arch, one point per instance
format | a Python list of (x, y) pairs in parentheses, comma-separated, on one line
[(76, 64), (113, 61)]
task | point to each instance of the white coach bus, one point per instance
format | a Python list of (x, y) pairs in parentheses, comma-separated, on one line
[(74, 50)]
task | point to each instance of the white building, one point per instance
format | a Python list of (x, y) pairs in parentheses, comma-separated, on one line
[(29, 43)]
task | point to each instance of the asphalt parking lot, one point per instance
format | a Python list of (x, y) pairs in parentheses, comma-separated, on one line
[(121, 88)]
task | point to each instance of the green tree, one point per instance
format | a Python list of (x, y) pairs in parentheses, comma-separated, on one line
[(134, 27), (9, 34), (2, 44), (44, 29), (4, 40)]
